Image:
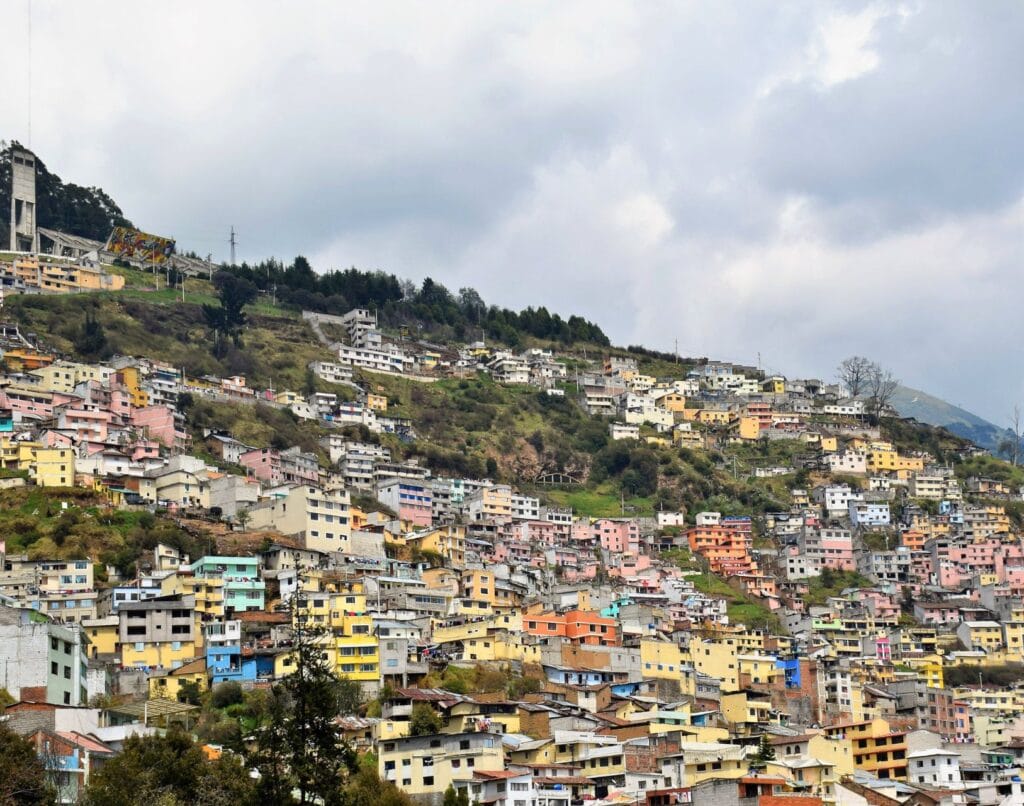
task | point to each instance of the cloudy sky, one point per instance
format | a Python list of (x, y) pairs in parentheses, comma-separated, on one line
[(802, 181)]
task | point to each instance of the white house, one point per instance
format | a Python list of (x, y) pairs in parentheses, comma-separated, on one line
[(868, 513), (934, 767)]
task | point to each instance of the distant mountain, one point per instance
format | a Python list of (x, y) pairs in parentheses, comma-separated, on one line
[(932, 410)]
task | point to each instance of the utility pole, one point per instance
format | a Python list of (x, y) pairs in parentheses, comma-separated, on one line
[(232, 240)]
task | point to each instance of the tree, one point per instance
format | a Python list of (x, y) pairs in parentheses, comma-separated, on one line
[(242, 518), (22, 774), (765, 752), (350, 696), (190, 693), (234, 293), (91, 341), (424, 720), (366, 787), (882, 385), (225, 694), (169, 770), (300, 746), (456, 797), (855, 373), (309, 383), (1010, 445)]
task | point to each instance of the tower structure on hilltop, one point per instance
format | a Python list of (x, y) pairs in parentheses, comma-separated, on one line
[(24, 232)]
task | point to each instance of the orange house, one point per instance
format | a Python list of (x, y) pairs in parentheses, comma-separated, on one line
[(913, 539), (579, 626), (726, 550)]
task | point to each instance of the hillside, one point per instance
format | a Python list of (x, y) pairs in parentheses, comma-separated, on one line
[(934, 411), (468, 426), (278, 345)]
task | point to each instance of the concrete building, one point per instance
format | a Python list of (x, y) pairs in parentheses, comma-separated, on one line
[(157, 633), (41, 660), (24, 233)]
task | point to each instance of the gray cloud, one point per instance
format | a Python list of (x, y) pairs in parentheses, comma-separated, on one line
[(801, 181)]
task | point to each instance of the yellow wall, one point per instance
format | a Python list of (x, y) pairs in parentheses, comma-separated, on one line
[(157, 654)]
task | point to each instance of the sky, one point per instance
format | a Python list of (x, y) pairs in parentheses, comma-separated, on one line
[(786, 182)]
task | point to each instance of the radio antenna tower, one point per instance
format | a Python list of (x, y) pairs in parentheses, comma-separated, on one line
[(233, 243)]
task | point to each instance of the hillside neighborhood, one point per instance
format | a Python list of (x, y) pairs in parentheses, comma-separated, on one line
[(747, 587)]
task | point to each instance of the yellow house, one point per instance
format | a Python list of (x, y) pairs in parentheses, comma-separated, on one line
[(479, 586), (376, 402), (984, 635), (599, 761), (745, 711), (131, 379), (427, 765), (874, 746), (1013, 637), (758, 669), (64, 376), (540, 752), (815, 776), (700, 761), (208, 591), (671, 401), (714, 416), (829, 444), (157, 654), (358, 653), (447, 541), (102, 633), (167, 686), (927, 668), (882, 457), (776, 385), (665, 660), (286, 397), (717, 659), (749, 428), (53, 467), (505, 622)]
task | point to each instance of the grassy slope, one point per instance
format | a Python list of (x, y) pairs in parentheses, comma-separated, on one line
[(276, 347)]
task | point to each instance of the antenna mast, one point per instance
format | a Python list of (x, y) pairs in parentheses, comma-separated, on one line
[(233, 241)]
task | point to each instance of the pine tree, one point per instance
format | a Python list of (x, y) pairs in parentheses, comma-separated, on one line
[(300, 747), (91, 341)]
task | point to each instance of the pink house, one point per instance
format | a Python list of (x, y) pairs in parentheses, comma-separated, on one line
[(544, 532), (87, 424), (157, 422), (617, 536), (837, 550), (263, 464), (145, 449), (120, 404), (631, 565)]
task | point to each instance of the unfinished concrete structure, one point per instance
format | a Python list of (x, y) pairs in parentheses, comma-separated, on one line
[(24, 235)]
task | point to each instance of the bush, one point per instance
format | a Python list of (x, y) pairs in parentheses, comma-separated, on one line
[(227, 694)]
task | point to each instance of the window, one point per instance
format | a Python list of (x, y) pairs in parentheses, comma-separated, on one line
[(54, 668)]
